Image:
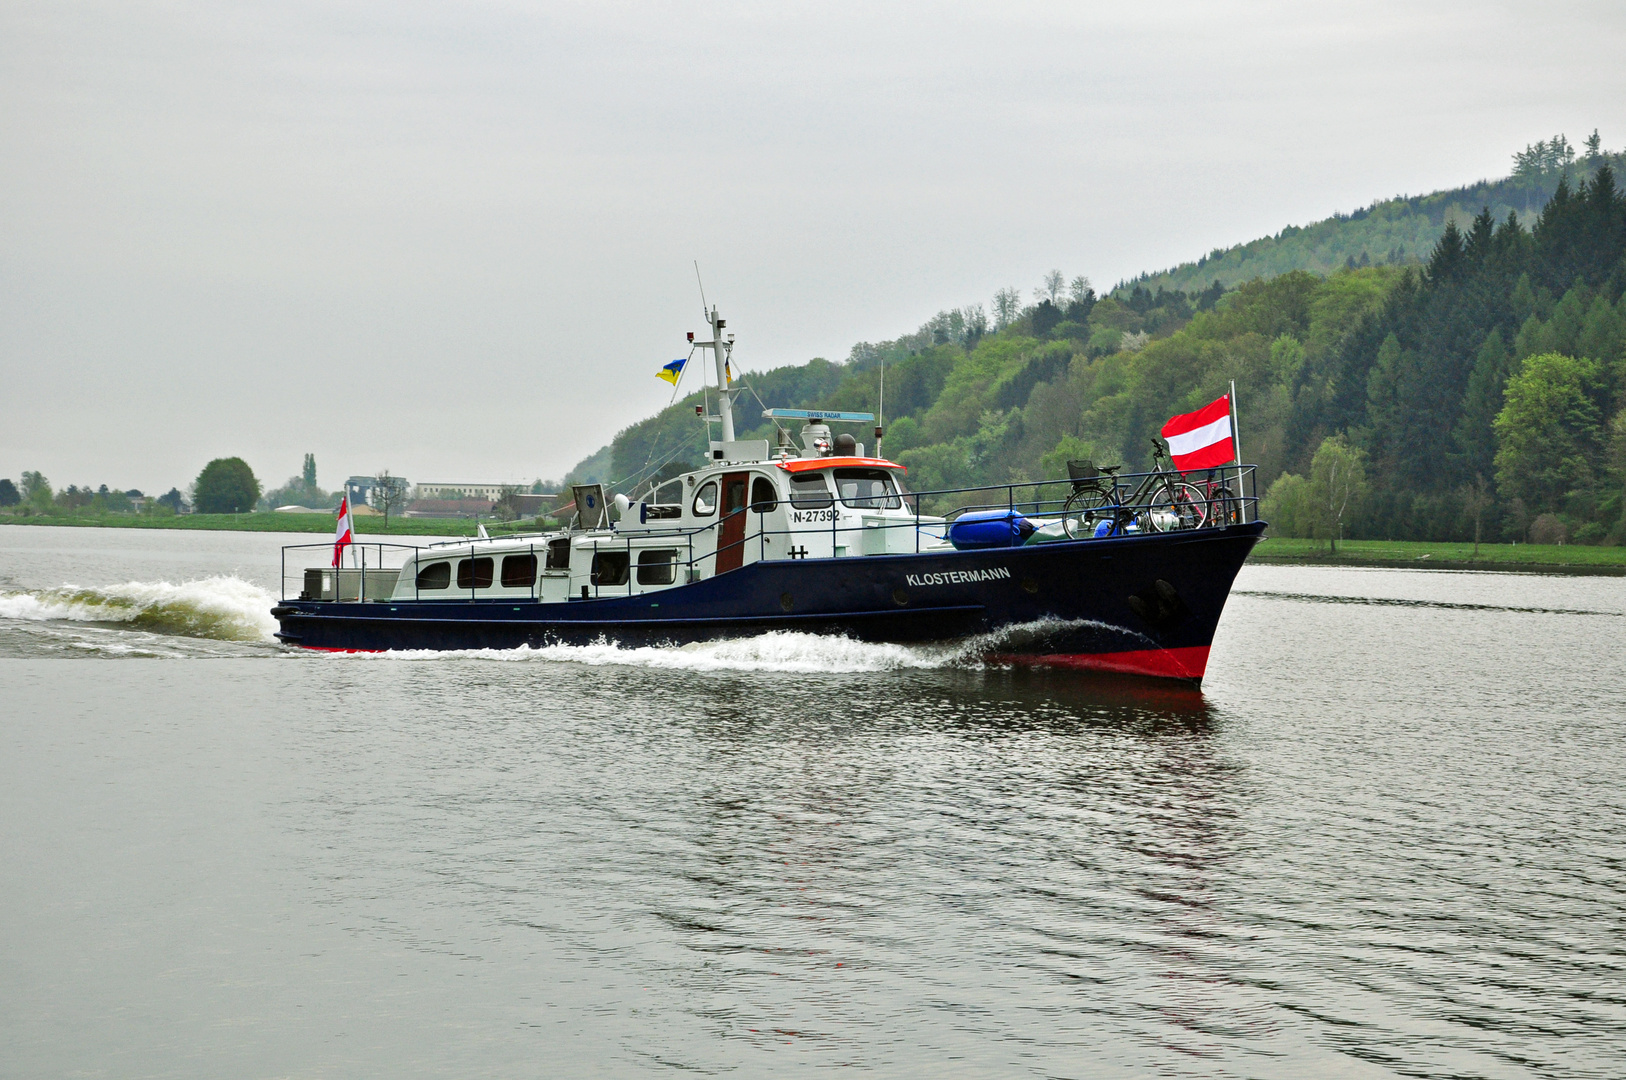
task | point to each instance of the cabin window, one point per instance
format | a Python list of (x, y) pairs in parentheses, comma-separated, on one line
[(867, 489), (763, 496), (808, 491), (518, 571), (705, 500), (657, 567), (474, 573), (559, 554), (437, 575), (610, 568)]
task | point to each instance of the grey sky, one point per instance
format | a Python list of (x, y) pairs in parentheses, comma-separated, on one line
[(455, 240)]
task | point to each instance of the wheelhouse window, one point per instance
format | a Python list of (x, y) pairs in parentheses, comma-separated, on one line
[(658, 567), (610, 568), (763, 496), (808, 491), (867, 489), (665, 501), (437, 575), (474, 573), (733, 494), (705, 500), (518, 571), (558, 554)]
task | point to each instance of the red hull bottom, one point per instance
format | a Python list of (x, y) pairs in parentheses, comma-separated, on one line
[(1185, 663)]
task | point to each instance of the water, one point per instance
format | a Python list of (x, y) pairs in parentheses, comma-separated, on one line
[(1384, 840)]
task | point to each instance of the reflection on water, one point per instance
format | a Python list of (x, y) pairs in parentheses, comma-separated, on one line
[(1384, 840)]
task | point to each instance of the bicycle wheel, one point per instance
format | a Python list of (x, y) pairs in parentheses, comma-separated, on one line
[(1084, 509), (1223, 508), (1173, 507)]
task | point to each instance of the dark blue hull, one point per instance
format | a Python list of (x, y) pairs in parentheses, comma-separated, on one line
[(1142, 604)]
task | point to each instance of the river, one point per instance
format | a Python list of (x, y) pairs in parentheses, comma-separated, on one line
[(1385, 839)]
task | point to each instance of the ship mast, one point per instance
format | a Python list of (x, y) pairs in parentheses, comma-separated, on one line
[(721, 349)]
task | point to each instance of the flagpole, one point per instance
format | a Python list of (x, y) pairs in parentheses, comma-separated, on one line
[(1236, 448)]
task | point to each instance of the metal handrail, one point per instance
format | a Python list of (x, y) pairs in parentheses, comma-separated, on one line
[(1125, 483)]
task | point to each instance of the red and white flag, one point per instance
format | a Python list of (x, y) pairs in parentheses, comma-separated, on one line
[(1202, 439), (344, 533)]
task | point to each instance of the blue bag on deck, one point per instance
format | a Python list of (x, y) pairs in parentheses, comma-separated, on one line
[(989, 529)]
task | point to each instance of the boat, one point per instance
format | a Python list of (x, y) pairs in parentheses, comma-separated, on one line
[(810, 534)]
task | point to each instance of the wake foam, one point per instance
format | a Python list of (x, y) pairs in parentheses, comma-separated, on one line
[(219, 608), (779, 650), (776, 651)]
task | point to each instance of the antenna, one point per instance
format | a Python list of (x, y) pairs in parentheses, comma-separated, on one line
[(704, 310)]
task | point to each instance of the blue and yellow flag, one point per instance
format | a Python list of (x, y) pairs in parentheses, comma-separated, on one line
[(672, 371)]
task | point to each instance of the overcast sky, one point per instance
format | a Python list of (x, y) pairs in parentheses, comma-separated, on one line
[(456, 240)]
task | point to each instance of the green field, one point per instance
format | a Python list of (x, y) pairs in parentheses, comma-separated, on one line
[(1569, 557), (289, 523)]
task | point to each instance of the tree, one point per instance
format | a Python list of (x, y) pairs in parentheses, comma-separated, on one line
[(1475, 501), (1475, 433), (1337, 478), (173, 499), (1055, 283), (1287, 506), (389, 492), (1007, 306), (507, 506), (1549, 434), (308, 474), (226, 486), (1594, 146), (1079, 291), (37, 491), (976, 323), (8, 493)]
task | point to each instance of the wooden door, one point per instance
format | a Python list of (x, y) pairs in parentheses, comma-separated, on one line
[(731, 530)]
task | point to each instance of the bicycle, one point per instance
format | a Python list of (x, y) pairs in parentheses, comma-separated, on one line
[(1162, 502), (1221, 507)]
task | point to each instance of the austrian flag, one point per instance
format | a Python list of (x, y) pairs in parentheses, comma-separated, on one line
[(1202, 439), (344, 533)]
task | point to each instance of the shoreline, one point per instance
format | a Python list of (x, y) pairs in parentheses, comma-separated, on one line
[(1445, 555), (1275, 551), (314, 524)]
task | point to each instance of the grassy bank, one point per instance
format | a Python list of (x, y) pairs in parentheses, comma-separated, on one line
[(287, 523), (1571, 558)]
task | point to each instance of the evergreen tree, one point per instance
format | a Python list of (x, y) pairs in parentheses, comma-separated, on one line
[(1475, 433)]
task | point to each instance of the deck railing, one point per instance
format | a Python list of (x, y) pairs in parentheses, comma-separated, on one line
[(1117, 506)]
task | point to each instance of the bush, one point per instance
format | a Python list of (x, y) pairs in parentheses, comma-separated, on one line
[(1547, 529), (1592, 532)]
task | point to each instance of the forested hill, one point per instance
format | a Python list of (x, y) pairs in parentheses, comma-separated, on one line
[(1483, 387), (1390, 231)]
